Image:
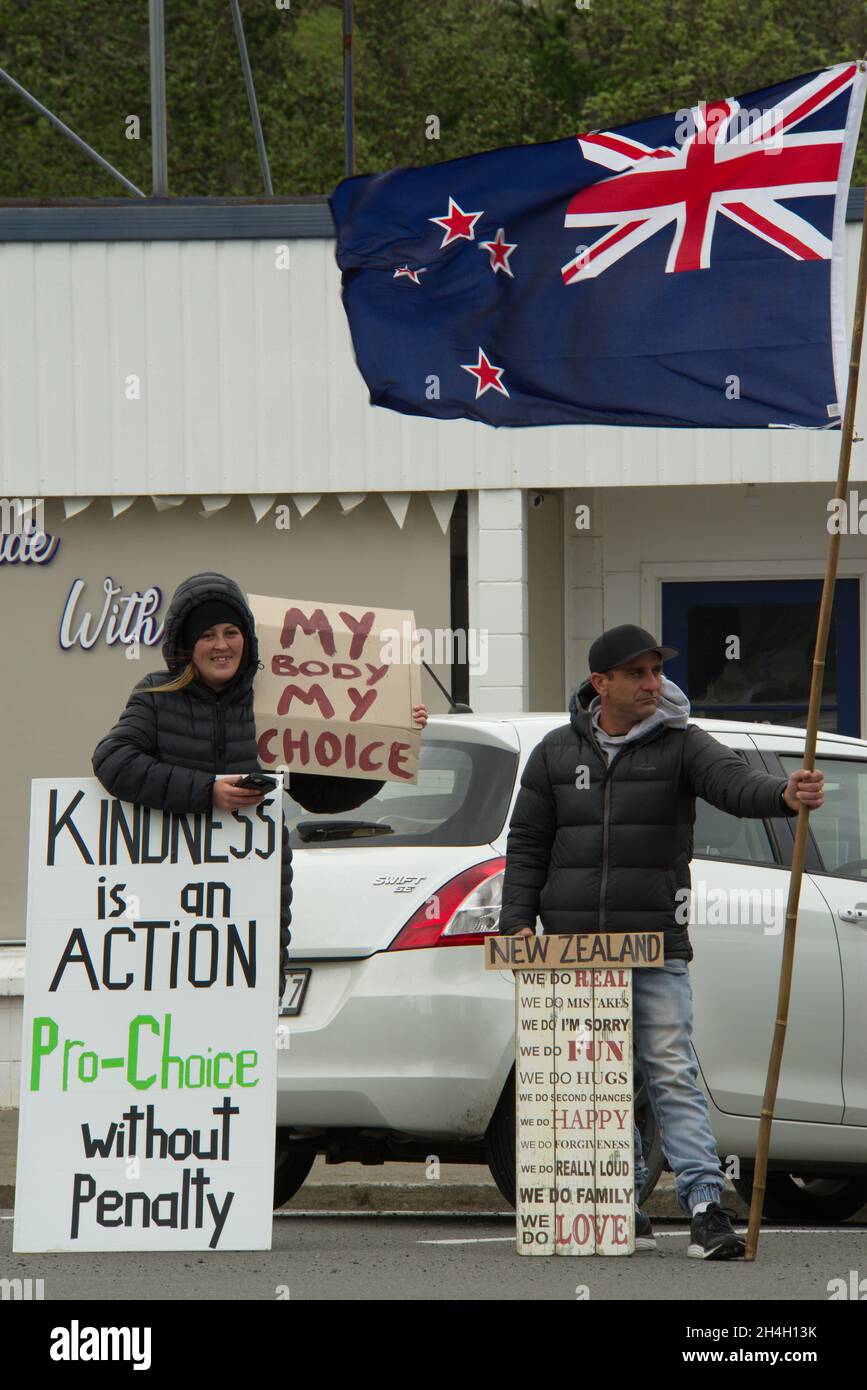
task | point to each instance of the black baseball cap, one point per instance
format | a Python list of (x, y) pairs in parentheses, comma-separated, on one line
[(620, 644)]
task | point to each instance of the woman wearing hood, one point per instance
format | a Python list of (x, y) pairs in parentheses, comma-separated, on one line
[(175, 736)]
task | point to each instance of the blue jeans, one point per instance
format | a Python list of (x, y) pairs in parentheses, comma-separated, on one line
[(662, 1031)]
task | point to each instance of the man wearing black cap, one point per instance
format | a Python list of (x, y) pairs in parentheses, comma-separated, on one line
[(600, 840)]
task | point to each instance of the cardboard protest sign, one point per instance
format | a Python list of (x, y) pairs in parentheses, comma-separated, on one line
[(555, 950), (148, 1073), (333, 698)]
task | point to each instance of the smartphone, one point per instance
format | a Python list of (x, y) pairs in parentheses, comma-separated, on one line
[(257, 781)]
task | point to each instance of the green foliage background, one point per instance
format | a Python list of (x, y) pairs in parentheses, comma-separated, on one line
[(495, 72)]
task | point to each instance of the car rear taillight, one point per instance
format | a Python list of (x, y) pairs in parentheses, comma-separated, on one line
[(462, 913)]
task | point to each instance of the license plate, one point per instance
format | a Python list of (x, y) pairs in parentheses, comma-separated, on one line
[(293, 995)]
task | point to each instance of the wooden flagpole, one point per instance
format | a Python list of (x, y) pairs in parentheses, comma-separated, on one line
[(798, 854)]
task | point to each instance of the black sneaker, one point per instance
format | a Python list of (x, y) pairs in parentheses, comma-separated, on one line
[(712, 1236), (644, 1237)]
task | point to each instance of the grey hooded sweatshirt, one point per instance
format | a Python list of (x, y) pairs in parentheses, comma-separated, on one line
[(672, 708)]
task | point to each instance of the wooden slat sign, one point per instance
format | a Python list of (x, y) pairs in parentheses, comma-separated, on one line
[(337, 688), (575, 1188)]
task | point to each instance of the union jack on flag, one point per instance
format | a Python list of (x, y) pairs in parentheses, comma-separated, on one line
[(683, 270)]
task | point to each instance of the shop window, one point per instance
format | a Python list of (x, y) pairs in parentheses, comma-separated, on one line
[(764, 675)]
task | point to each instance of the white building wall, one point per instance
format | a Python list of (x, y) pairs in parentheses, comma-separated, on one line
[(638, 539), (498, 603), (56, 704), (248, 384)]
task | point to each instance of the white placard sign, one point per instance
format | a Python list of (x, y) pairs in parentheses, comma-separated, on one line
[(148, 1072)]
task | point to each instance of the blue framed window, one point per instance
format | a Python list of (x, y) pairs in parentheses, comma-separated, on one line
[(768, 680)]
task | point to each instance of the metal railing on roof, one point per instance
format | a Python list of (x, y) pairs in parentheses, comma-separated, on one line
[(159, 126)]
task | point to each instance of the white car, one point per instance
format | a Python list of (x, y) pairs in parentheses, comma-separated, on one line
[(396, 1043)]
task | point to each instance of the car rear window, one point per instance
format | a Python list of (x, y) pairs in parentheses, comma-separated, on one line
[(461, 797)]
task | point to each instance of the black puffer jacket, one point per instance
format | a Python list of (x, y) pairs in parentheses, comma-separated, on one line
[(166, 750), (611, 855)]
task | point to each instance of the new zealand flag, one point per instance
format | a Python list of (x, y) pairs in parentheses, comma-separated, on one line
[(684, 270)]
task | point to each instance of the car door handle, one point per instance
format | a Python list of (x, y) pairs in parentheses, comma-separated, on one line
[(853, 914)]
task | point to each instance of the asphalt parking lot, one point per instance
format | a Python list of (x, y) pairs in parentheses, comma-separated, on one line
[(390, 1233), (408, 1257)]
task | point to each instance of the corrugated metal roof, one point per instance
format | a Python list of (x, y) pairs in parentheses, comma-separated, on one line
[(183, 219), (157, 219)]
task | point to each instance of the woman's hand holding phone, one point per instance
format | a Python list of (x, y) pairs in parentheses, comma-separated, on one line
[(227, 795)]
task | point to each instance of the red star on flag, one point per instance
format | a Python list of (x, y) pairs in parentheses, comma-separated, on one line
[(499, 251), (486, 374), (411, 274), (457, 224)]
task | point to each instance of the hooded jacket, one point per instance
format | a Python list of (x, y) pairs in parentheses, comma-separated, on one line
[(601, 835), (166, 750)]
